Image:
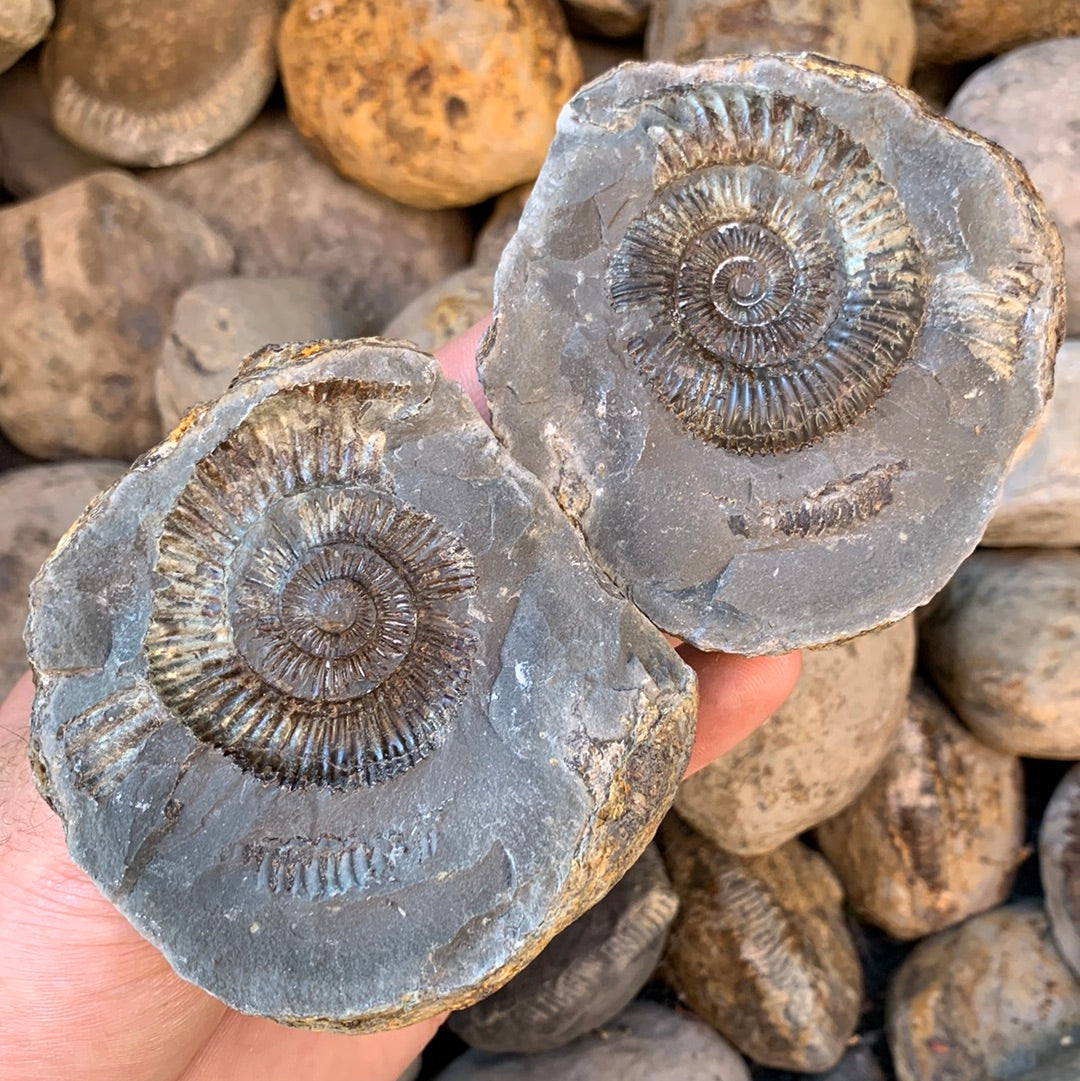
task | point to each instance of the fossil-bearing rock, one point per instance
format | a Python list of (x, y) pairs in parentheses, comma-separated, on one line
[(1059, 866), (333, 704), (586, 974), (771, 332), (989, 998), (144, 82)]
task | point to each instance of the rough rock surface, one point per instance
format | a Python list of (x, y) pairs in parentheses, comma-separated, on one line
[(1040, 504), (879, 35), (760, 949), (950, 30), (817, 751), (287, 213), (585, 975), (1000, 100), (646, 1042), (217, 323), (40, 502), (444, 310), (34, 159), (23, 23), (1001, 645), (938, 832), (142, 82), (1062, 1067), (991, 999), (421, 722), (430, 103), (612, 18), (688, 333), (1059, 866), (89, 273)]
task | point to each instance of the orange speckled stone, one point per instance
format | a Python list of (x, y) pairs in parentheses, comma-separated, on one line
[(433, 104)]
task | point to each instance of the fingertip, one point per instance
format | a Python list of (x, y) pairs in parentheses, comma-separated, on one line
[(736, 696), (458, 360)]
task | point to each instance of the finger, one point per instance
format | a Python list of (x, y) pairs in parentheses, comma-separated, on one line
[(85, 997), (736, 695), (254, 1049), (458, 360)]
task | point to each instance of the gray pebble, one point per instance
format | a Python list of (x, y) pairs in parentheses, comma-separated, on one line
[(215, 323), (650, 362), (585, 975), (40, 502), (1001, 643), (444, 310), (1040, 504), (991, 998), (646, 1042), (287, 213), (89, 274), (1059, 866), (1027, 102), (420, 738)]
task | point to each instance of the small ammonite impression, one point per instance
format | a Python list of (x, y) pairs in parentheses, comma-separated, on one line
[(771, 333), (328, 667)]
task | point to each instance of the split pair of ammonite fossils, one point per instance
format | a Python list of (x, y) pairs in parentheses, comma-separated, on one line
[(349, 715)]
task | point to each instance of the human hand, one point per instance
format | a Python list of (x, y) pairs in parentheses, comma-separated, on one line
[(86, 998)]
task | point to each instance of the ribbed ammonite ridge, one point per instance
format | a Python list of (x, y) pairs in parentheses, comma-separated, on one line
[(306, 622), (773, 287)]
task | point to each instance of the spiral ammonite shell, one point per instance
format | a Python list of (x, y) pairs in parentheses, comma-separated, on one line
[(770, 293), (344, 646), (329, 668), (771, 332)]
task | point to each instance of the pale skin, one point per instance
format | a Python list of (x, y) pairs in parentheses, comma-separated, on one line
[(83, 997)]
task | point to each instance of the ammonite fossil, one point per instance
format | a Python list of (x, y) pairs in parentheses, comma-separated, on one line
[(333, 704), (771, 333), (148, 82)]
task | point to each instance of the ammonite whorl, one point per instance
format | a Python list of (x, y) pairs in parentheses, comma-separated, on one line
[(771, 332), (327, 667)]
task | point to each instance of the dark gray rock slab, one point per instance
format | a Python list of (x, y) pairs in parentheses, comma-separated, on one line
[(89, 273), (1059, 866), (40, 502), (585, 975), (333, 704), (1040, 503), (1000, 101), (646, 1042), (761, 951), (131, 82), (991, 998), (217, 323), (287, 213), (818, 751), (777, 387), (937, 834), (1001, 643)]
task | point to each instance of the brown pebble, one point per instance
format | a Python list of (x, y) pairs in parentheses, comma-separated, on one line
[(1001, 641), (23, 23), (432, 104), (151, 82), (287, 213), (89, 274), (760, 949), (937, 834), (965, 29), (611, 18), (817, 751), (982, 1001), (879, 36), (1059, 866), (445, 310), (1040, 503)]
